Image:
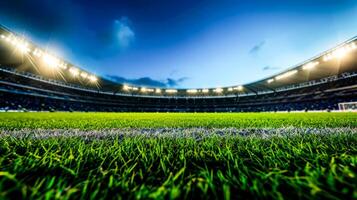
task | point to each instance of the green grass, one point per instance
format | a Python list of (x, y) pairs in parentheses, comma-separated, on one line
[(92, 121), (307, 166)]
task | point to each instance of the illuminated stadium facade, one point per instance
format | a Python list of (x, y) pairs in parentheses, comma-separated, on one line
[(33, 79)]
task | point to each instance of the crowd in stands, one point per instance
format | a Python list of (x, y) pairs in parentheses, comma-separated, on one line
[(22, 93)]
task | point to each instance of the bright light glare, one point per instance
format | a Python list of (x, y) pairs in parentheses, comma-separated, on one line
[(340, 52), (218, 90), (74, 71), (310, 65), (270, 80), (286, 74), (92, 78), (158, 90), (239, 88), (126, 87), (143, 89), (23, 46), (37, 53), (171, 91), (50, 60), (192, 91), (2, 36), (205, 90), (84, 75)]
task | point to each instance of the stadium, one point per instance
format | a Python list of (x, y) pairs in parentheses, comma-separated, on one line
[(320, 83), (69, 133)]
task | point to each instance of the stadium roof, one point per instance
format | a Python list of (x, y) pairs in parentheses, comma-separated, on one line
[(27, 56)]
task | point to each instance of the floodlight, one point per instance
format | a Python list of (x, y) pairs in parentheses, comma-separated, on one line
[(50, 60), (125, 87), (22, 46), (230, 89), (286, 74), (171, 91), (218, 90), (239, 88), (157, 90), (74, 71), (13, 41), (37, 52), (353, 45), (135, 88), (63, 65), (192, 91), (270, 80), (3, 36), (84, 75), (205, 90), (310, 65), (92, 78), (143, 89), (340, 53)]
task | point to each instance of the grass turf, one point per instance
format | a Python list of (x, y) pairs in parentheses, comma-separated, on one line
[(91, 121), (297, 166)]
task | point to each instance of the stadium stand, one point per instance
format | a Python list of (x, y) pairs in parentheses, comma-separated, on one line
[(320, 83)]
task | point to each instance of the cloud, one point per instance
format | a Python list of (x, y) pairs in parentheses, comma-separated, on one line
[(256, 48), (149, 82), (124, 32), (269, 68)]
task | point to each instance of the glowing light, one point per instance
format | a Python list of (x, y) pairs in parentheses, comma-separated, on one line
[(218, 90), (22, 46), (310, 65), (270, 80), (37, 53), (3, 36), (63, 65), (205, 90), (134, 88), (340, 52), (158, 90), (230, 89), (143, 89), (50, 60), (171, 91), (286, 74), (92, 78), (192, 91), (84, 75), (353, 45), (239, 88), (74, 71), (126, 87)]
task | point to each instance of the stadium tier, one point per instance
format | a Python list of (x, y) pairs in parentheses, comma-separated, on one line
[(33, 79)]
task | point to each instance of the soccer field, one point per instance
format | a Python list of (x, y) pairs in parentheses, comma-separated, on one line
[(178, 155)]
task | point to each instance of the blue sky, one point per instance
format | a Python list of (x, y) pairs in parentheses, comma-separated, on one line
[(184, 44)]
